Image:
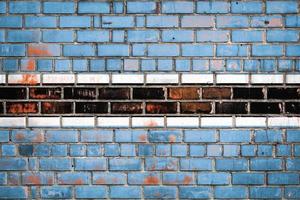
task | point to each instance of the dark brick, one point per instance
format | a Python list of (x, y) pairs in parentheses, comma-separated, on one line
[(114, 93), (265, 108), (283, 93), (292, 107), (126, 108), (26, 150), (216, 93), (248, 93), (161, 107), (44, 93), (231, 108), (57, 107), (1, 108), (148, 93), (12, 93), (91, 107), (80, 93), (195, 107), (183, 93), (21, 107)]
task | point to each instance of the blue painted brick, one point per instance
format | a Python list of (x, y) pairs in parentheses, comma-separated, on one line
[(128, 150), (248, 150), (251, 65), (26, 150), (13, 192), (59, 150), (265, 164), (214, 150), (93, 150), (267, 21), (33, 164), (97, 65), (92, 36), (75, 21), (232, 50), (282, 7), (292, 192), (78, 50), (248, 178), (297, 67), (10, 65), (212, 36), (93, 7), (139, 49), (77, 150), (117, 21), (90, 164), (140, 21), (56, 192), (213, 178), (127, 192), (40, 21), (231, 66), (80, 65), (177, 7), (283, 178), (163, 150), (267, 50), (233, 164), (141, 178), (125, 164), (59, 7), (163, 50), (213, 7), (130, 136), (109, 178), (179, 150), (196, 164), (165, 136), (113, 50), (264, 150), (247, 36), (61, 136), (161, 163), (24, 7), (191, 192), (10, 21), (285, 65), (200, 65), (4, 136), (282, 36), (114, 64), (3, 178), (72, 178), (141, 7), (197, 50), (296, 150), (159, 192), (265, 192), (118, 7), (197, 150), (268, 65), (293, 50), (118, 36), (235, 136), (231, 150), (58, 36), (246, 7), (2, 7), (23, 36), (90, 192), (268, 136), (26, 136), (164, 65), (62, 65), (96, 136), (111, 150), (145, 150), (143, 36), (183, 65), (2, 36), (162, 21), (148, 65), (293, 164), (292, 21), (55, 164), (232, 22), (8, 150), (41, 150), (231, 192), (178, 178), (293, 136)]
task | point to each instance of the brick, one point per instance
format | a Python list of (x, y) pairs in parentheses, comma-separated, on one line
[(212, 36), (181, 178), (144, 178), (60, 192), (58, 78), (55, 164), (246, 7), (197, 21), (265, 192), (88, 192), (3, 7), (26, 79), (195, 164), (23, 36), (248, 93), (292, 50), (216, 122), (113, 50), (162, 21), (117, 21), (248, 178), (282, 36), (8, 150), (196, 78), (12, 93), (195, 192), (89, 164), (57, 107), (35, 122), (148, 93), (165, 136), (27, 136), (74, 21), (13, 192), (61, 136), (111, 178), (162, 78), (24, 7), (292, 164), (250, 121), (109, 122), (232, 164), (92, 36), (230, 192), (234, 136), (232, 50), (195, 107), (141, 7), (40, 22), (292, 136), (13, 122), (78, 50), (73, 122), (283, 122), (79, 93), (283, 93), (281, 7), (163, 50), (197, 50), (21, 108), (91, 107), (291, 192), (126, 108), (292, 21), (212, 178), (200, 136), (231, 108), (265, 164), (184, 122), (131, 136), (157, 164), (92, 79), (213, 7), (247, 36), (143, 36), (262, 107), (266, 79), (147, 122), (189, 93), (73, 178), (12, 49), (216, 93), (232, 22), (127, 192), (267, 21), (38, 178), (93, 7), (4, 136), (127, 78), (283, 178), (267, 50), (58, 36), (158, 192), (177, 36), (10, 21), (59, 7), (113, 93), (44, 93), (125, 164), (161, 107)]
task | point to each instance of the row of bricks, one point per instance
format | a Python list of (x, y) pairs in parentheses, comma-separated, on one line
[(152, 136), (128, 150), (152, 50), (149, 36), (242, 108), (153, 122), (148, 65), (151, 164), (148, 7), (150, 178), (148, 78), (150, 192)]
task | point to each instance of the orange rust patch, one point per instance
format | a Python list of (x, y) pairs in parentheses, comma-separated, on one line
[(20, 136), (143, 138), (78, 182), (100, 181), (38, 50), (187, 180), (151, 123), (17, 108), (151, 180), (172, 138), (30, 79), (30, 65), (33, 180)]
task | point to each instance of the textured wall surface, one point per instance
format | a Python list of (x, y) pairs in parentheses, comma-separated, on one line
[(149, 99)]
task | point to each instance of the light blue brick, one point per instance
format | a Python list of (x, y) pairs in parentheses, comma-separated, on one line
[(163, 50), (293, 136), (90, 164), (56, 192), (145, 150), (264, 150), (118, 7), (235, 136), (75, 21), (139, 178), (297, 66), (114, 64), (97, 65), (12, 164), (80, 65), (247, 36), (139, 49), (61, 136), (141, 7), (232, 22), (197, 50), (13, 192), (97, 21), (248, 150), (285, 65), (195, 164), (212, 36), (179, 150), (127, 164), (213, 178), (41, 150), (8, 150), (197, 150), (192, 192), (296, 150), (78, 50), (292, 21), (161, 163), (40, 21), (23, 36), (265, 164), (33, 164), (265, 193), (268, 65), (77, 150), (282, 7), (140, 21), (233, 65), (163, 150), (4, 136), (231, 150), (62, 65), (165, 65), (246, 7), (233, 164), (200, 136), (142, 36), (292, 192), (128, 150), (200, 65), (111, 150), (130, 136), (177, 7), (55, 164), (148, 65), (118, 36), (176, 178), (90, 192), (93, 7), (113, 50), (160, 192), (2, 36), (165, 136), (283, 178), (293, 50), (109, 178), (267, 21), (282, 36), (92, 36), (59, 7), (117, 21), (232, 50), (24, 7), (2, 7), (127, 192), (44, 65), (251, 65), (162, 21), (3, 178), (10, 21), (248, 178), (231, 192), (10, 65), (177, 36), (293, 164), (183, 65), (58, 36), (59, 150), (214, 150), (213, 7), (268, 136), (267, 50), (93, 150)]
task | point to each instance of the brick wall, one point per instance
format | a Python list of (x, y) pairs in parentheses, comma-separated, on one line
[(149, 99)]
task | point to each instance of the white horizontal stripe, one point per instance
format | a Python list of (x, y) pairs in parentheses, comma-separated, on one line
[(232, 78), (113, 122), (2, 79), (43, 122), (24, 79), (13, 122), (147, 122), (162, 78), (197, 78), (127, 79), (93, 79), (58, 78), (183, 122), (78, 122)]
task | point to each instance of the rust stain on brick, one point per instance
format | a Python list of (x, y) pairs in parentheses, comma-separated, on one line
[(195, 107), (150, 123), (44, 93), (172, 138), (153, 180), (34, 50), (187, 180), (19, 108), (161, 107), (143, 138), (20, 136), (216, 93), (30, 64), (33, 179), (129, 108), (183, 93), (100, 181), (29, 79)]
